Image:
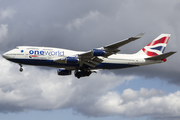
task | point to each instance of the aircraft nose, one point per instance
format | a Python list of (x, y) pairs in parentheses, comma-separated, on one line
[(4, 56)]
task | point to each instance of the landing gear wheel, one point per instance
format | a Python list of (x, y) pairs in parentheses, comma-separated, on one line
[(21, 69), (82, 73), (77, 74)]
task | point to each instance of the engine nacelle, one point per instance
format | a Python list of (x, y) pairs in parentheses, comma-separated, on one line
[(73, 60), (63, 72), (97, 52)]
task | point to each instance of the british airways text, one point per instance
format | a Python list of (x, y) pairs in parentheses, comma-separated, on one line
[(50, 53)]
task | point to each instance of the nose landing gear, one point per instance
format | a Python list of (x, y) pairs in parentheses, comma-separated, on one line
[(21, 69)]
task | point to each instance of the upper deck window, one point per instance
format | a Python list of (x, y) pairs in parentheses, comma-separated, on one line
[(33, 48)]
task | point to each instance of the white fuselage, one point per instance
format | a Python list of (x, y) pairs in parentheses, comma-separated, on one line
[(47, 56)]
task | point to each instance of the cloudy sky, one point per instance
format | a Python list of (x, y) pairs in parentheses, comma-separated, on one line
[(148, 92)]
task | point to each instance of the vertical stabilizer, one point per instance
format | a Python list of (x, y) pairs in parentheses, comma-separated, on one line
[(156, 47)]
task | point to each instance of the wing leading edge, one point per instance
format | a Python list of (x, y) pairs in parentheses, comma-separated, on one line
[(124, 42)]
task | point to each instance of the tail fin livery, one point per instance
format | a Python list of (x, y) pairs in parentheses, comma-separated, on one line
[(156, 47)]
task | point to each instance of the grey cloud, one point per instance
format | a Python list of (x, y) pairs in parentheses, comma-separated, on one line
[(7, 13), (3, 32), (78, 22), (131, 95), (38, 89)]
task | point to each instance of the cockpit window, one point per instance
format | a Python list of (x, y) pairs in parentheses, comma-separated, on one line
[(17, 48)]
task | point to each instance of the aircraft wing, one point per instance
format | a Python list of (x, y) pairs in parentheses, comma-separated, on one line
[(121, 43), (94, 57)]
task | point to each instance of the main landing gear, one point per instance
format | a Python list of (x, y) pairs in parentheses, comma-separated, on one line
[(82, 72), (21, 69)]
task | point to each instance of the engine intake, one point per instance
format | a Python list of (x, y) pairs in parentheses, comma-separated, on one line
[(63, 72), (97, 52), (73, 60)]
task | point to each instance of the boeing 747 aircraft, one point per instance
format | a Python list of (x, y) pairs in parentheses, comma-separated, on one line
[(84, 63)]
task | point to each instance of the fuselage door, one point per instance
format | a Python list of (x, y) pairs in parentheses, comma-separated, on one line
[(26, 54)]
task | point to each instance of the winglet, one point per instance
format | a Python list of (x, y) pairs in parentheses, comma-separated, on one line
[(139, 35)]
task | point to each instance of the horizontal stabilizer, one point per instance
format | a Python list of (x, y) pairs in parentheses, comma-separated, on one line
[(161, 57)]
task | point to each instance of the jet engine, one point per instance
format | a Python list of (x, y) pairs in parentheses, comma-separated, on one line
[(63, 72), (97, 52), (73, 60)]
